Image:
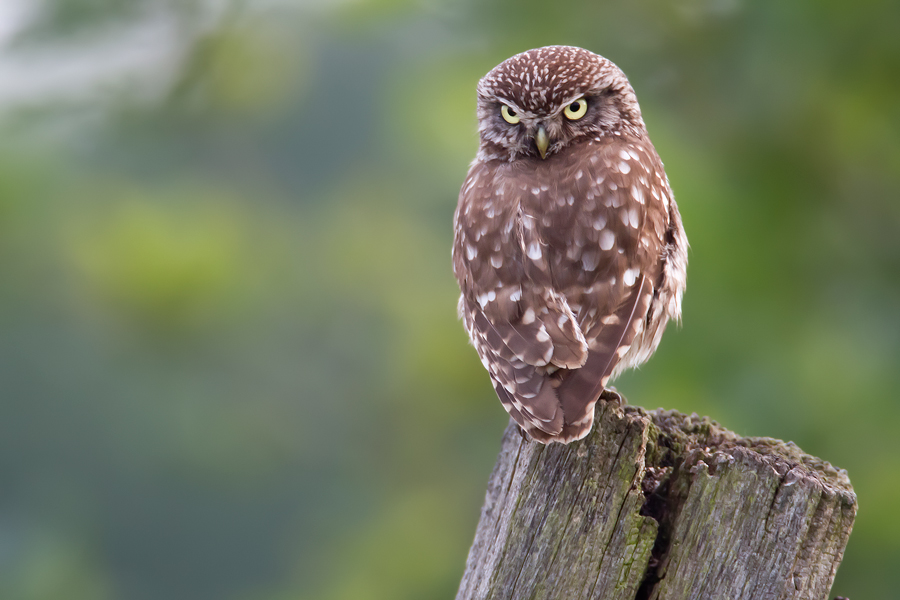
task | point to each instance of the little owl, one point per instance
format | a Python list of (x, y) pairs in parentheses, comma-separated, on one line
[(568, 246)]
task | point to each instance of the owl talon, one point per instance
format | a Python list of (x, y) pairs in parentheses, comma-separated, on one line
[(612, 396), (522, 433)]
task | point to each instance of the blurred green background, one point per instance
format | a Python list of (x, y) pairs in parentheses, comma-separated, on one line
[(230, 366)]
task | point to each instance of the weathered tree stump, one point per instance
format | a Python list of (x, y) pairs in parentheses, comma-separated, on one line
[(660, 506)]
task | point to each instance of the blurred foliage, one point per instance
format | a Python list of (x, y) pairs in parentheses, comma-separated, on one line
[(229, 363)]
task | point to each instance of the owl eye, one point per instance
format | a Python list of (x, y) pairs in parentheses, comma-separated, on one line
[(509, 115), (576, 110)]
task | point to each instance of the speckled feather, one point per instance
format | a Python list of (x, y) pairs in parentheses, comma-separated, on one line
[(570, 265)]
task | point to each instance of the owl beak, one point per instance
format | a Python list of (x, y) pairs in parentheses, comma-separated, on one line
[(541, 141)]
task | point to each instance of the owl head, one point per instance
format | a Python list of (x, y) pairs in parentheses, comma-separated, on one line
[(540, 102)]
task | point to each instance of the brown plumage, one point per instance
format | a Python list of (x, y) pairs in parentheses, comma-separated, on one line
[(568, 246)]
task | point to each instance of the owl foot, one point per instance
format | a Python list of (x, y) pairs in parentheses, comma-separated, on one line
[(522, 433), (611, 395)]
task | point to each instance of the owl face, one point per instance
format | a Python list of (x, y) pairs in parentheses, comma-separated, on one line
[(542, 101)]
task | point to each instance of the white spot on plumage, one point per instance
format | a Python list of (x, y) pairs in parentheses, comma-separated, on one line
[(516, 295), (534, 251), (579, 174), (607, 239), (542, 335), (496, 261), (528, 317), (599, 222), (471, 251), (634, 217), (638, 194), (548, 355), (624, 167), (630, 276)]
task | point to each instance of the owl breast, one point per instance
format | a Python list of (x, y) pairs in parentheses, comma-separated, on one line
[(578, 227)]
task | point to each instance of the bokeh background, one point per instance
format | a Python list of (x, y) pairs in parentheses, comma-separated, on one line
[(230, 366)]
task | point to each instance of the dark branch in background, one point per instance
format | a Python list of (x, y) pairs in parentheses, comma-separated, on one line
[(658, 506)]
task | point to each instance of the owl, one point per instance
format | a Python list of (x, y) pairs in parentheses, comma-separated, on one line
[(568, 246)]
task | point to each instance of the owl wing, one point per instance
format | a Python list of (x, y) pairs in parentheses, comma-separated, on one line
[(519, 348), (521, 331), (579, 389)]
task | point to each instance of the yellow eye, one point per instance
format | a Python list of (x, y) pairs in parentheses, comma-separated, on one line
[(576, 110), (509, 115)]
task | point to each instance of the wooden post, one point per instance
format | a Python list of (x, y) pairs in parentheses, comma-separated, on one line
[(658, 506)]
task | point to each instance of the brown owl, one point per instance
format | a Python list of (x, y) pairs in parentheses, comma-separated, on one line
[(568, 246)]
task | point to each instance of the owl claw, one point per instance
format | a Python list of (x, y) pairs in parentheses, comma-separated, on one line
[(612, 396), (522, 433)]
